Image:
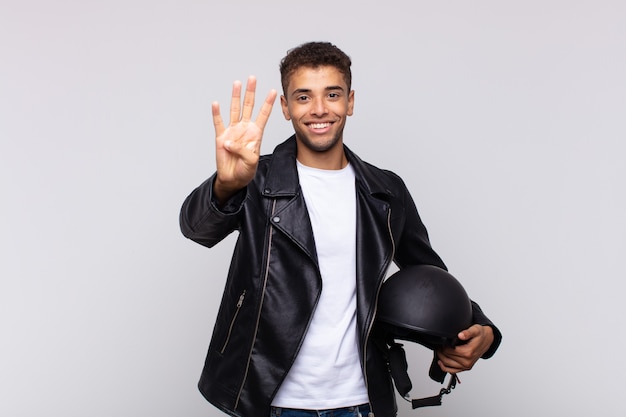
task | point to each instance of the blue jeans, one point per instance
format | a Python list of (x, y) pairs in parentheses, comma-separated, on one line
[(362, 410)]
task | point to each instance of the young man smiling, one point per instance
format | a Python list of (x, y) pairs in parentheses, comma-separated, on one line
[(318, 102), (318, 229)]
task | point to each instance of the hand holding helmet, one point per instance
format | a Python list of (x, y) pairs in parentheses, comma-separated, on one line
[(476, 341), (427, 305)]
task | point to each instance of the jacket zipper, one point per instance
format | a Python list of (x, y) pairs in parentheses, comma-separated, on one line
[(258, 318), (371, 323), (232, 321)]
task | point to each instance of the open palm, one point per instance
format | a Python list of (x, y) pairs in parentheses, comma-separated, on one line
[(237, 146)]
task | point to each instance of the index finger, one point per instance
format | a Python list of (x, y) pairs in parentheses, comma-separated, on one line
[(266, 109)]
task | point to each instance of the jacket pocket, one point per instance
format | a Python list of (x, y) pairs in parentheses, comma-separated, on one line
[(232, 321)]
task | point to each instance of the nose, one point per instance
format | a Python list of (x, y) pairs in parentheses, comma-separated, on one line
[(318, 107)]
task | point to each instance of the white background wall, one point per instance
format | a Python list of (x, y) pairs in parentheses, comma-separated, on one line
[(506, 119)]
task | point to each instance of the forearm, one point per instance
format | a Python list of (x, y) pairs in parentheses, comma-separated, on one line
[(478, 317), (222, 192), (205, 221)]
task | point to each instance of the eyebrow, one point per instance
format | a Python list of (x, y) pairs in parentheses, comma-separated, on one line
[(308, 90)]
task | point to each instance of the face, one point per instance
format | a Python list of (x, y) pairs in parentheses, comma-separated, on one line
[(317, 102)]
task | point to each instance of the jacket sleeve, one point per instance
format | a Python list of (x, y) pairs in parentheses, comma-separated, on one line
[(412, 241), (203, 222), (478, 317), (414, 248)]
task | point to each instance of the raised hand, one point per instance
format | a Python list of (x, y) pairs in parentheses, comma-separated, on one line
[(237, 146)]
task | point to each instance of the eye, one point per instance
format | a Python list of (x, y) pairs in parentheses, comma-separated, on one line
[(334, 96), (302, 98)]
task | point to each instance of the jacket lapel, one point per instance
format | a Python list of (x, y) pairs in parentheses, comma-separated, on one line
[(373, 260), (290, 214)]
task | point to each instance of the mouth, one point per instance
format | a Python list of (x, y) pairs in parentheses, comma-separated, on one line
[(319, 126)]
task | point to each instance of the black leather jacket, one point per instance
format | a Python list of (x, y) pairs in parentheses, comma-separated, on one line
[(274, 282)]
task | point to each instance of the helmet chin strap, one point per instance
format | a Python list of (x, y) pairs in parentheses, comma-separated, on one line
[(398, 367), (436, 400)]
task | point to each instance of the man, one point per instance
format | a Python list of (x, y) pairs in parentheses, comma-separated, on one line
[(318, 229)]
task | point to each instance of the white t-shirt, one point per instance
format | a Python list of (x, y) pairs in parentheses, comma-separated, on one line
[(327, 371)]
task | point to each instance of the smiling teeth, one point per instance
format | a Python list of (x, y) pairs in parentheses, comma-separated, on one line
[(319, 125)]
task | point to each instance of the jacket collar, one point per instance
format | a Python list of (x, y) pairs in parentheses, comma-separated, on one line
[(282, 175)]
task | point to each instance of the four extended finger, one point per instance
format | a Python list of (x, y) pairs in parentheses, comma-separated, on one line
[(235, 103), (248, 99), (244, 114), (218, 123), (266, 109)]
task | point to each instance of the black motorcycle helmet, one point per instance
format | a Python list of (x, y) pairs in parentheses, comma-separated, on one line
[(423, 304)]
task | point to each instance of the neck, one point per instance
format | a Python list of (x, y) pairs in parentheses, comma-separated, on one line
[(323, 161), (331, 159)]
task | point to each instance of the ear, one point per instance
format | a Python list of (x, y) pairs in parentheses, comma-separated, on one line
[(350, 103), (285, 107)]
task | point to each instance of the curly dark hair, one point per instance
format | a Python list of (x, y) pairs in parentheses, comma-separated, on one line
[(314, 55)]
